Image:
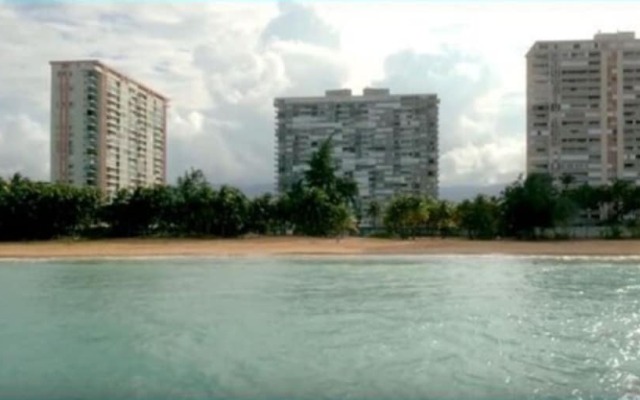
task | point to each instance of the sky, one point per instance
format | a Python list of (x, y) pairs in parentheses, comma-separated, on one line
[(222, 63)]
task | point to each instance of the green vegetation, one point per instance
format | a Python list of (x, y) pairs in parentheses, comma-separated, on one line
[(322, 203), (37, 210)]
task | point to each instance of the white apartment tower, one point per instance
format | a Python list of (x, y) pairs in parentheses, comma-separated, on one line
[(107, 130), (583, 108), (387, 143)]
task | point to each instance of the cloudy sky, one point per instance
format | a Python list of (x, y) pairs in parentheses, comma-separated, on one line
[(221, 63)]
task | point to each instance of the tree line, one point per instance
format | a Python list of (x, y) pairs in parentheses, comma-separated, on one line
[(322, 203), (531, 207)]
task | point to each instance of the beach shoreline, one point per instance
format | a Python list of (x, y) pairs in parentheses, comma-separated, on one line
[(300, 246)]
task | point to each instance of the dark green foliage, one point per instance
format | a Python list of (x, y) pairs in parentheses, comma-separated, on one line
[(443, 218), (410, 216), (406, 214), (322, 204), (230, 212), (311, 210), (139, 212), (480, 217), (585, 197), (37, 210), (193, 205), (262, 215), (195, 208), (374, 210), (535, 205), (528, 204)]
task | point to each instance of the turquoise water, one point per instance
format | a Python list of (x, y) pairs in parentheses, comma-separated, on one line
[(340, 328)]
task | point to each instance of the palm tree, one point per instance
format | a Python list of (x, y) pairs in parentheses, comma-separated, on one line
[(231, 209), (261, 214), (567, 180), (443, 217), (405, 214), (343, 222), (373, 212)]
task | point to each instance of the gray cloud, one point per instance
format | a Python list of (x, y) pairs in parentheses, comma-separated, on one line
[(476, 145), (444, 74), (511, 119), (310, 71), (297, 22), (24, 147), (242, 80), (220, 72), (24, 134), (221, 66)]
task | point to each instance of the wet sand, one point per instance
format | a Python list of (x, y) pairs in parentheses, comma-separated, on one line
[(270, 246)]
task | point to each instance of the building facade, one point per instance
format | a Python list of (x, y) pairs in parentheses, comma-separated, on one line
[(387, 143), (583, 108), (107, 130)]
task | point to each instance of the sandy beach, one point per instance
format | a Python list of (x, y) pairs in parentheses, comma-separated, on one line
[(308, 246)]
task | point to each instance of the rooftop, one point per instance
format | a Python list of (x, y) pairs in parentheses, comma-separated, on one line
[(104, 66), (346, 94), (598, 37)]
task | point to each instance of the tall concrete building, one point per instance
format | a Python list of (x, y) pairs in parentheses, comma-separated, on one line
[(107, 130), (387, 143), (583, 108)]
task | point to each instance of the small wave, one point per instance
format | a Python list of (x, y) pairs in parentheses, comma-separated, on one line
[(458, 256), (121, 258), (492, 256), (608, 258), (550, 257), (333, 257)]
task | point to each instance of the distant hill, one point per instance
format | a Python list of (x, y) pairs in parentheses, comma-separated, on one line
[(256, 189), (462, 192)]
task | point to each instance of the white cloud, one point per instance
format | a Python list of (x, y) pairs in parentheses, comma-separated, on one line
[(24, 147), (296, 23), (223, 63), (503, 157), (220, 64)]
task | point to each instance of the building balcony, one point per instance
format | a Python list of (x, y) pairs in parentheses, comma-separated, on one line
[(91, 87)]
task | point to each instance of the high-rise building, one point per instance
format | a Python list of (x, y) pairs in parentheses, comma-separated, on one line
[(387, 143), (583, 108), (107, 130)]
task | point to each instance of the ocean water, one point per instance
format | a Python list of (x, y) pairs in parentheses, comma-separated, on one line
[(428, 327)]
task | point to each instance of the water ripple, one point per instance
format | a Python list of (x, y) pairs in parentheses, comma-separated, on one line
[(442, 327)]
